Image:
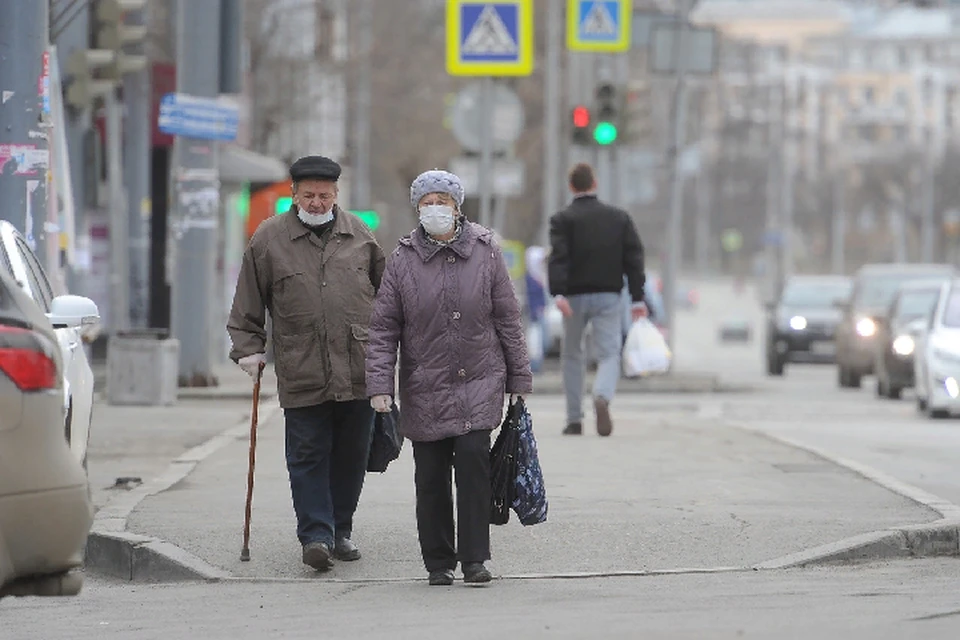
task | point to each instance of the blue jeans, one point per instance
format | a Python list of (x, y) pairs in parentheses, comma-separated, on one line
[(327, 447), (604, 312)]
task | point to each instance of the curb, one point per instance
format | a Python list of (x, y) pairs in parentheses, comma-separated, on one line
[(114, 551), (940, 538)]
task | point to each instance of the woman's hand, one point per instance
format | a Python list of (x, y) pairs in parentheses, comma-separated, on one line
[(381, 404), (514, 397)]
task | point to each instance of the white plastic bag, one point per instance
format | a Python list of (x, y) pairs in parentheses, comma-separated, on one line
[(535, 342), (645, 351)]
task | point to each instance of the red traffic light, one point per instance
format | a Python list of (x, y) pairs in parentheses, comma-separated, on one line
[(581, 117)]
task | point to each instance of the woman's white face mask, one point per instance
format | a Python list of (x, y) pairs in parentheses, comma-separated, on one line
[(437, 219)]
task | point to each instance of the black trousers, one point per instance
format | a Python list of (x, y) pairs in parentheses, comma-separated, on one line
[(469, 456)]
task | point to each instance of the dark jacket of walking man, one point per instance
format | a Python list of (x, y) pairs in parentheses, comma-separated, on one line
[(316, 269), (592, 247)]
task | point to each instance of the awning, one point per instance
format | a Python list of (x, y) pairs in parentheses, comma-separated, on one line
[(242, 165)]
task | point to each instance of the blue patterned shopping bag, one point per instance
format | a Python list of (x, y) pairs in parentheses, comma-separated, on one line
[(530, 501)]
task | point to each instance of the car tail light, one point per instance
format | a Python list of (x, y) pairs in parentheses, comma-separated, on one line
[(26, 358)]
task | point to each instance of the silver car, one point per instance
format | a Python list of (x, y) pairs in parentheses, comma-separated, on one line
[(45, 509)]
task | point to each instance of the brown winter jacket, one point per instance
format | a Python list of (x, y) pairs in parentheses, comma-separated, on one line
[(455, 316), (320, 301)]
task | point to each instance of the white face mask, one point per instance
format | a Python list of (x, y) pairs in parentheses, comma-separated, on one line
[(437, 219), (314, 219)]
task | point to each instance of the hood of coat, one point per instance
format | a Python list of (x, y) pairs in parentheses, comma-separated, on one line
[(462, 246)]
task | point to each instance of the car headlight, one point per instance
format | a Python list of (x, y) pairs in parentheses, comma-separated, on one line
[(903, 345), (798, 323), (866, 327)]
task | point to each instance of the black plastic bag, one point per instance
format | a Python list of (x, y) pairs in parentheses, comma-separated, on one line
[(503, 465), (387, 441)]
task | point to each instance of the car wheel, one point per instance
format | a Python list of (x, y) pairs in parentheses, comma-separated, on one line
[(894, 393), (847, 379), (881, 388), (775, 366), (937, 414)]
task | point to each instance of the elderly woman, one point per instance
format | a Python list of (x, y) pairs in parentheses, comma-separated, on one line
[(447, 302)]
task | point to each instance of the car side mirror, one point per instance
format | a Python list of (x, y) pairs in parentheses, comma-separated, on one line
[(73, 312)]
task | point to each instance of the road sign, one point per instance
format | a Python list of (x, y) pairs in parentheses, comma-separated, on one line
[(508, 175), (194, 117), (599, 25), (514, 254), (468, 119), (490, 38)]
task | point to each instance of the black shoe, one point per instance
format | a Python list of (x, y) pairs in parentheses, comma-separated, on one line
[(476, 573), (317, 555), (345, 550), (441, 578), (573, 429), (604, 422)]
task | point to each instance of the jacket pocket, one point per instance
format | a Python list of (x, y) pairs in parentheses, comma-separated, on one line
[(359, 339), (291, 295), (301, 362)]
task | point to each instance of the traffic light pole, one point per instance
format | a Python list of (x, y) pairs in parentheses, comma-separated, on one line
[(486, 151), (23, 145), (195, 187), (552, 131)]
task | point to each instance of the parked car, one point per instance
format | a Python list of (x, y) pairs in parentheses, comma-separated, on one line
[(802, 323), (936, 366), (45, 509), (874, 286), (897, 332), (20, 262)]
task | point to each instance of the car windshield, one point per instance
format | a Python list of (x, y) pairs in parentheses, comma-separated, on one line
[(814, 295), (916, 304), (951, 311), (879, 290)]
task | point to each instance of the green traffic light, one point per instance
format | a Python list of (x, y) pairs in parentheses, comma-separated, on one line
[(369, 218), (605, 133), (283, 205)]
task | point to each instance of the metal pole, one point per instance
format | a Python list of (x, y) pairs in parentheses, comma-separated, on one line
[(927, 200), (24, 155), (552, 129), (675, 231), (136, 162), (787, 175), (486, 151), (775, 114), (702, 237), (839, 234), (196, 185), (119, 222), (360, 182)]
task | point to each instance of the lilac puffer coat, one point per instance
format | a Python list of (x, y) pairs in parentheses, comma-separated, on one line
[(453, 312)]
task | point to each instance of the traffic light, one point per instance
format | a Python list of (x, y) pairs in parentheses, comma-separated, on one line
[(117, 49), (638, 112), (608, 114), (581, 124)]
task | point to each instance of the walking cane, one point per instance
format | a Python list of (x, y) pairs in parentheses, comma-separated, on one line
[(245, 552)]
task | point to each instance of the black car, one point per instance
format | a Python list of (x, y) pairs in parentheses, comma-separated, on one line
[(874, 287), (897, 332), (801, 324)]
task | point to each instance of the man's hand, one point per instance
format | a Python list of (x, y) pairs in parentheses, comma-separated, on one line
[(638, 310), (252, 364), (564, 306), (381, 404)]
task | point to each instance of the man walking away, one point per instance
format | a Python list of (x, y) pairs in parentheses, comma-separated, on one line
[(316, 269), (592, 247)]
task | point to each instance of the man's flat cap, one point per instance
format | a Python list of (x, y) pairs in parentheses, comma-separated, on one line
[(316, 168)]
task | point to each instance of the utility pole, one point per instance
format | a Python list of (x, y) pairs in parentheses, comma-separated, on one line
[(136, 164), (551, 129), (484, 177), (24, 153), (927, 198), (790, 131), (360, 180), (196, 183), (119, 221), (679, 126), (774, 232)]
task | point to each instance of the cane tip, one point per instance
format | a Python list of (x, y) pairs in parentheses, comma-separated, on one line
[(245, 555)]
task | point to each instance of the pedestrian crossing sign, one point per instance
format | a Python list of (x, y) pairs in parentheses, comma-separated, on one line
[(599, 25), (490, 38)]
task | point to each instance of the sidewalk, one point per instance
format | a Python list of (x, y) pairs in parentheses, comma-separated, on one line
[(667, 491)]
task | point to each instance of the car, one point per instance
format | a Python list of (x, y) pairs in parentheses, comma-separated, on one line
[(801, 324), (874, 287), (45, 507), (897, 332), (936, 365), (20, 262)]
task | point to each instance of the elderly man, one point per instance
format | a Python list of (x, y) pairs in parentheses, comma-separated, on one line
[(316, 269)]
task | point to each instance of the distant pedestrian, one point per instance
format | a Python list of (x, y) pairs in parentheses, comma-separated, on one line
[(592, 247), (448, 304), (316, 269), (535, 282)]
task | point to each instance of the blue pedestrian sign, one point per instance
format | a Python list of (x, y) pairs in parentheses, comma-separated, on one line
[(489, 38), (599, 25), (194, 117)]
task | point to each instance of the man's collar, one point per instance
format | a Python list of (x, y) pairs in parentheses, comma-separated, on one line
[(586, 194)]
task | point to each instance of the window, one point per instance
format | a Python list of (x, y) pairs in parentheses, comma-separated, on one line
[(40, 288), (951, 310), (916, 304)]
